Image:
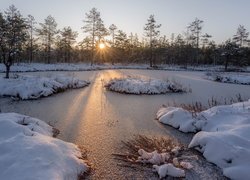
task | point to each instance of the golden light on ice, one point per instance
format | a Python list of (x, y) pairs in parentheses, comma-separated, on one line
[(101, 45)]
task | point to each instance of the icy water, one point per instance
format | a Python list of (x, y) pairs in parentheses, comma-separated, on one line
[(99, 120)]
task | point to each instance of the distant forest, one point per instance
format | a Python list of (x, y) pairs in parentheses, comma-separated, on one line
[(22, 39)]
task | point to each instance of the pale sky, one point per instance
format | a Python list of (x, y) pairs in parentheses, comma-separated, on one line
[(221, 17)]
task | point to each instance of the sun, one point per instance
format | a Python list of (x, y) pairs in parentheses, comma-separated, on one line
[(102, 46)]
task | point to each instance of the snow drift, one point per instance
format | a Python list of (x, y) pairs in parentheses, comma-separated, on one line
[(131, 85), (34, 87), (223, 135), (28, 151)]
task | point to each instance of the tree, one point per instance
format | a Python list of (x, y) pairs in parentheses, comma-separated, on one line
[(229, 51), (195, 28), (47, 32), (151, 31), (68, 38), (95, 28), (205, 39), (112, 29), (31, 25), (121, 40), (13, 34), (241, 36)]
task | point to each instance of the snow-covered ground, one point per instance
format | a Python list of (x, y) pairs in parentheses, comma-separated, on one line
[(223, 135), (229, 78), (33, 87), (136, 85), (33, 67), (28, 151)]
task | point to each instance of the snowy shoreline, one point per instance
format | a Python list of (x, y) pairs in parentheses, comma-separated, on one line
[(232, 78), (28, 151), (39, 67), (34, 87), (222, 135)]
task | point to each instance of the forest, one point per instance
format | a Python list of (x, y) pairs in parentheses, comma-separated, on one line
[(22, 39)]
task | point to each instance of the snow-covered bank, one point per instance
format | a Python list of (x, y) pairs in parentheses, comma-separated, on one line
[(223, 135), (229, 78), (131, 85), (34, 87), (28, 151), (33, 67)]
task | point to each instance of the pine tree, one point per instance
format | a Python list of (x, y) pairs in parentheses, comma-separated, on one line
[(68, 38), (121, 40), (31, 25), (229, 50), (151, 31), (241, 36), (195, 28), (47, 32), (13, 34), (95, 28), (112, 30)]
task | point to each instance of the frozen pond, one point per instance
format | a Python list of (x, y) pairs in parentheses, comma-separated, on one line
[(98, 119)]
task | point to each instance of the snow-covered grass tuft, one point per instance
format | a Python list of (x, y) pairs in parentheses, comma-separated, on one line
[(223, 134), (28, 151), (135, 85), (34, 87), (164, 155), (229, 78)]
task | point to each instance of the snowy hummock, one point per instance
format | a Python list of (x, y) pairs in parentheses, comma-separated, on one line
[(28, 151), (223, 135), (230, 78), (33, 87), (131, 85)]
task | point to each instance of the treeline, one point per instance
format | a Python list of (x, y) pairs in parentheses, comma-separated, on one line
[(22, 39)]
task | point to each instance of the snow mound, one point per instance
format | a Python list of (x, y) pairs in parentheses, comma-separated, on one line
[(170, 170), (33, 87), (131, 85), (229, 78), (224, 137), (28, 151)]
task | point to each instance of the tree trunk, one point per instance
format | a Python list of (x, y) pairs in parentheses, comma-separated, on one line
[(226, 63), (7, 71)]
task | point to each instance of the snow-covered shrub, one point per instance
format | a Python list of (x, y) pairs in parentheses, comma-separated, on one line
[(130, 85), (33, 87)]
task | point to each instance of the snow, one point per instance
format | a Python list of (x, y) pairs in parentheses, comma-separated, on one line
[(170, 170), (153, 157), (223, 135), (137, 85), (34, 87), (235, 78), (28, 151)]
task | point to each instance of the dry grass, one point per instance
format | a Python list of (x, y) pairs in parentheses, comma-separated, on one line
[(83, 175), (197, 107), (149, 144)]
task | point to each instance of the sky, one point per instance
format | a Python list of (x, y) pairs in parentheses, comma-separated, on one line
[(221, 17)]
